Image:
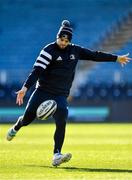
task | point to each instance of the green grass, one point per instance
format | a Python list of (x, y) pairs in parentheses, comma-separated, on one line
[(100, 152)]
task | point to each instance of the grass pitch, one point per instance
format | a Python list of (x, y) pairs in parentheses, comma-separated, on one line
[(100, 152)]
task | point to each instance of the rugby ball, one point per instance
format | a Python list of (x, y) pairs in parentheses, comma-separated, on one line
[(46, 109)]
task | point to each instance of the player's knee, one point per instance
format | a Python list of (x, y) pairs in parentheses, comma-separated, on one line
[(28, 117), (61, 113), (60, 117)]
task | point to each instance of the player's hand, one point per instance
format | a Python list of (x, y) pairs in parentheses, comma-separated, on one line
[(69, 99), (20, 95), (124, 59)]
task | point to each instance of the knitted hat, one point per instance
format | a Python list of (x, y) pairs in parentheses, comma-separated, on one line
[(65, 30)]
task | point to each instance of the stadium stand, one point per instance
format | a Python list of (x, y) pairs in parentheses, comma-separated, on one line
[(108, 80), (26, 27)]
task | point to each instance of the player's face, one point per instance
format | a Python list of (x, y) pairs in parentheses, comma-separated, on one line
[(63, 42)]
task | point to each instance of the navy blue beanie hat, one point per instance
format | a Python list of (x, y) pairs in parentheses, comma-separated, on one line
[(65, 30)]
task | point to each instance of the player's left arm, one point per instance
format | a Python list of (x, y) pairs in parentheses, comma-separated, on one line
[(98, 56)]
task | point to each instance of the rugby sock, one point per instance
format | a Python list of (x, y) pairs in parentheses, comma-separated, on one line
[(18, 124)]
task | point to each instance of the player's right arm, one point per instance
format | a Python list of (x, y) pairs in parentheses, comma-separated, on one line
[(40, 65)]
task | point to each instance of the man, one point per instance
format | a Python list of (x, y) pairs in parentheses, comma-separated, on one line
[(54, 72)]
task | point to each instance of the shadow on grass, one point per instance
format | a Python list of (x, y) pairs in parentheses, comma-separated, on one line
[(79, 169)]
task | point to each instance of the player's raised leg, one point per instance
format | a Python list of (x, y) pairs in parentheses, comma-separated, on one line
[(29, 115)]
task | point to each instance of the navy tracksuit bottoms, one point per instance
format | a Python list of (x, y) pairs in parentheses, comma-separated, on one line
[(60, 116)]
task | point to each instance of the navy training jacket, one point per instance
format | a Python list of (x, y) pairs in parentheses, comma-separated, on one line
[(54, 68)]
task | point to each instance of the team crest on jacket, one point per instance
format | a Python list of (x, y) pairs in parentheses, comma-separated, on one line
[(72, 56)]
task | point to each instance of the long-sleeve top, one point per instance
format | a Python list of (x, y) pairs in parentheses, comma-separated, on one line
[(54, 68)]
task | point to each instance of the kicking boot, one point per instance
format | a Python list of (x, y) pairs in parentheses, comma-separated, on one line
[(11, 134), (59, 158)]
